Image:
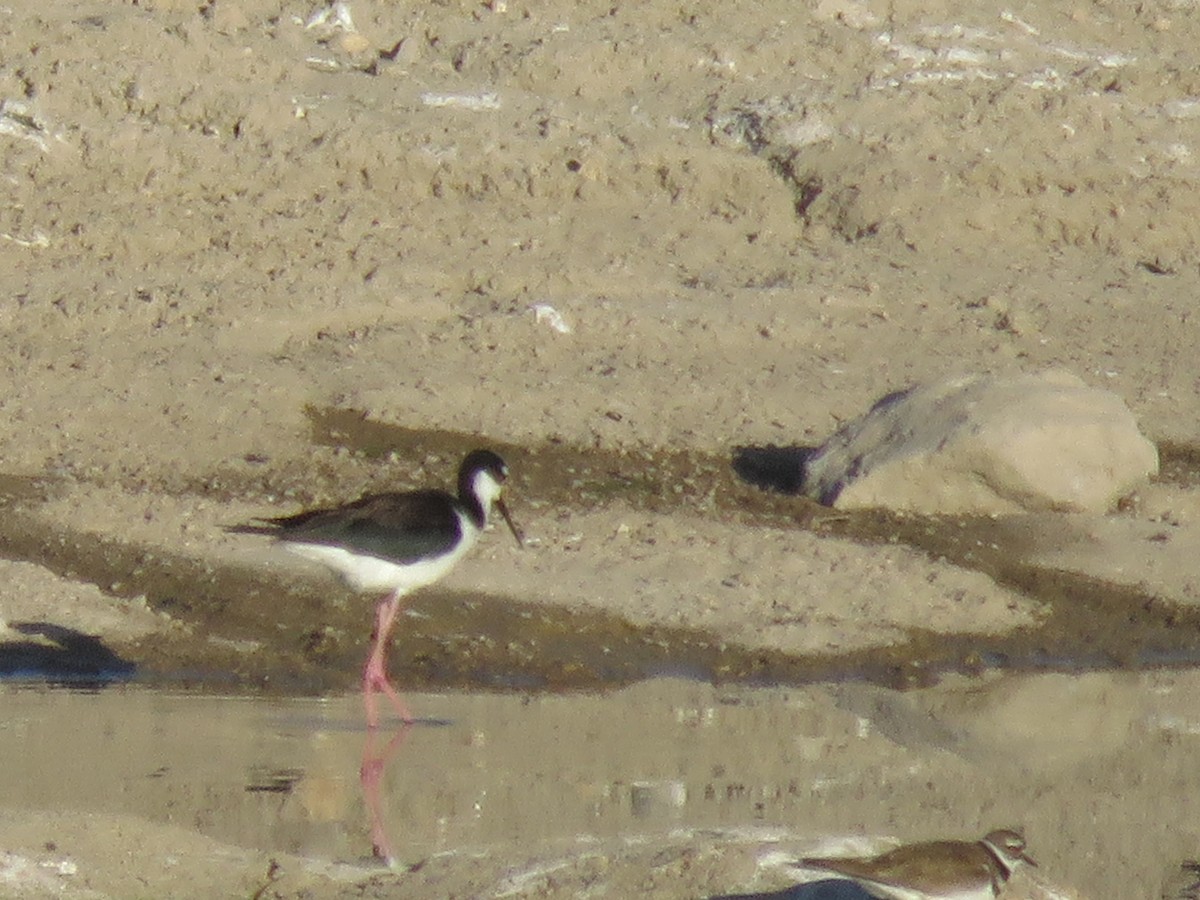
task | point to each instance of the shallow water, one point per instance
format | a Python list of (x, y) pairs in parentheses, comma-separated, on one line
[(1099, 769), (476, 769)]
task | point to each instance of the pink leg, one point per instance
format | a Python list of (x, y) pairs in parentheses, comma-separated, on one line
[(375, 678)]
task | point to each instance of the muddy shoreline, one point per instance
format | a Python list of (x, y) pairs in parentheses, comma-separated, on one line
[(244, 630)]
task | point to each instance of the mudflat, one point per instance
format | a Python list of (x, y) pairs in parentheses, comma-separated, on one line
[(262, 255)]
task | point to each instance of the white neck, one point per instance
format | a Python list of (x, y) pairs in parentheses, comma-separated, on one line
[(486, 489)]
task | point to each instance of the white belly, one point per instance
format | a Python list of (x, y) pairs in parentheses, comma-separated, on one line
[(891, 892), (371, 574)]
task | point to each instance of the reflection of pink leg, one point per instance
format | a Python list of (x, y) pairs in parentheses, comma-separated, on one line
[(375, 678), (371, 777)]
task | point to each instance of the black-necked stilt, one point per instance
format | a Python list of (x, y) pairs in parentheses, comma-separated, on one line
[(935, 870), (396, 543)]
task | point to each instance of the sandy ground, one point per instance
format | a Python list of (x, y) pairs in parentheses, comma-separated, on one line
[(614, 232)]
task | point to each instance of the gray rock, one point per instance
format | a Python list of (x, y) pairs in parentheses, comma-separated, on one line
[(982, 444)]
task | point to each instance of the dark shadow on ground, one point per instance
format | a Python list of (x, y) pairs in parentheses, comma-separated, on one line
[(63, 657), (773, 468), (827, 889)]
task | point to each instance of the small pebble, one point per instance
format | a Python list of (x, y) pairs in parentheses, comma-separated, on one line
[(354, 43)]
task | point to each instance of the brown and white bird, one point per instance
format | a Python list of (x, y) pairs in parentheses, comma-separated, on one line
[(394, 543), (1184, 884), (935, 870)]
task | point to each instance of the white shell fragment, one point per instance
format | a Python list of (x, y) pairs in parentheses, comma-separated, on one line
[(462, 101), (330, 19), (544, 313)]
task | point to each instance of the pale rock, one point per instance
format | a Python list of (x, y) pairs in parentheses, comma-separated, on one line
[(982, 444)]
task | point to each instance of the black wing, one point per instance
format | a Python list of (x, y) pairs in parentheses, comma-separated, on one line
[(401, 527)]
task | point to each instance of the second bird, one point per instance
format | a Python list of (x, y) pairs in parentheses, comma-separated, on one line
[(935, 870)]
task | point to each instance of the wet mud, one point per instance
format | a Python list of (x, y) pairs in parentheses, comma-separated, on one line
[(293, 637)]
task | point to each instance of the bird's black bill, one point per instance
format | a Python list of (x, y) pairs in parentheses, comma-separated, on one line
[(511, 525)]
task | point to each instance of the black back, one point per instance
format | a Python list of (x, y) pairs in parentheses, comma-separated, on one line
[(400, 527)]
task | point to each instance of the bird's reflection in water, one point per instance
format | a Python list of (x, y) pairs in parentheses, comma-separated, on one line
[(375, 761)]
